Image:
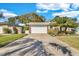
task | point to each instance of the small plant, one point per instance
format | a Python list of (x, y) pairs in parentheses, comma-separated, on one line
[(7, 30)]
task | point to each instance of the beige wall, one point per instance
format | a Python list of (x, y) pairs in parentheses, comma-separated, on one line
[(19, 30), (10, 27), (1, 28)]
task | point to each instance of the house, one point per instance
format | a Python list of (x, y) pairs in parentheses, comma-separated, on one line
[(5, 25), (2, 25), (38, 27)]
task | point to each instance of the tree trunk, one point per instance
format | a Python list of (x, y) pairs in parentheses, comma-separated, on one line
[(65, 30), (60, 29)]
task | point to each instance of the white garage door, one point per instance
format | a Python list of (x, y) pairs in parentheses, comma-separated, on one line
[(38, 29)]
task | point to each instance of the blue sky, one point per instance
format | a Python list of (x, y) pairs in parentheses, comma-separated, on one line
[(48, 10)]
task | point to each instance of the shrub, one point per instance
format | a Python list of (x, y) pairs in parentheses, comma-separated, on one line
[(26, 28), (7, 30), (53, 32)]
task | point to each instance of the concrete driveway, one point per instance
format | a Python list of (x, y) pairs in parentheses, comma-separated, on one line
[(38, 45), (46, 39)]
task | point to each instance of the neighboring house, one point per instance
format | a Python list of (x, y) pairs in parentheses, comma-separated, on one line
[(38, 27), (58, 28), (5, 25), (77, 30), (2, 25)]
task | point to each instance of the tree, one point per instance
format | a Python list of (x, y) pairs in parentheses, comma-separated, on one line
[(31, 17), (22, 20), (26, 18), (12, 21), (64, 22), (34, 17)]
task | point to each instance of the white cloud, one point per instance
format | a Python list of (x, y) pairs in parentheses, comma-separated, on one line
[(3, 10), (53, 6), (64, 6), (68, 14), (75, 6), (69, 9), (47, 6), (58, 6), (39, 11), (7, 13)]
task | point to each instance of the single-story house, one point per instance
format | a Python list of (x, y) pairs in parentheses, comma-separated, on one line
[(38, 27), (5, 25), (58, 28)]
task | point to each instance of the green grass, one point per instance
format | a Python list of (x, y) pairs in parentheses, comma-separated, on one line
[(71, 40), (9, 38), (1, 35)]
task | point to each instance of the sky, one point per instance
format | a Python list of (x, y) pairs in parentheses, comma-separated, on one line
[(48, 10)]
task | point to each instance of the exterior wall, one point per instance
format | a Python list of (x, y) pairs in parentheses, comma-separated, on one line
[(1, 29), (55, 28), (10, 27), (38, 29), (68, 29), (77, 31), (19, 30), (27, 32)]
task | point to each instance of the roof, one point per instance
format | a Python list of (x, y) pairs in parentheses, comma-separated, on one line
[(2, 23), (38, 23)]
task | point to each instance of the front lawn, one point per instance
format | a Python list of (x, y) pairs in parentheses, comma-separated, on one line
[(9, 38), (71, 40), (1, 35)]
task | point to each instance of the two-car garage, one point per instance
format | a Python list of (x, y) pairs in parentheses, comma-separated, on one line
[(38, 27)]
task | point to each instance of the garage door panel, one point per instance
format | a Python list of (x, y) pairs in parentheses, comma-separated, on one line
[(38, 29)]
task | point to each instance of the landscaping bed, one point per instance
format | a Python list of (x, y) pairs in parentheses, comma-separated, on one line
[(9, 38), (72, 40)]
